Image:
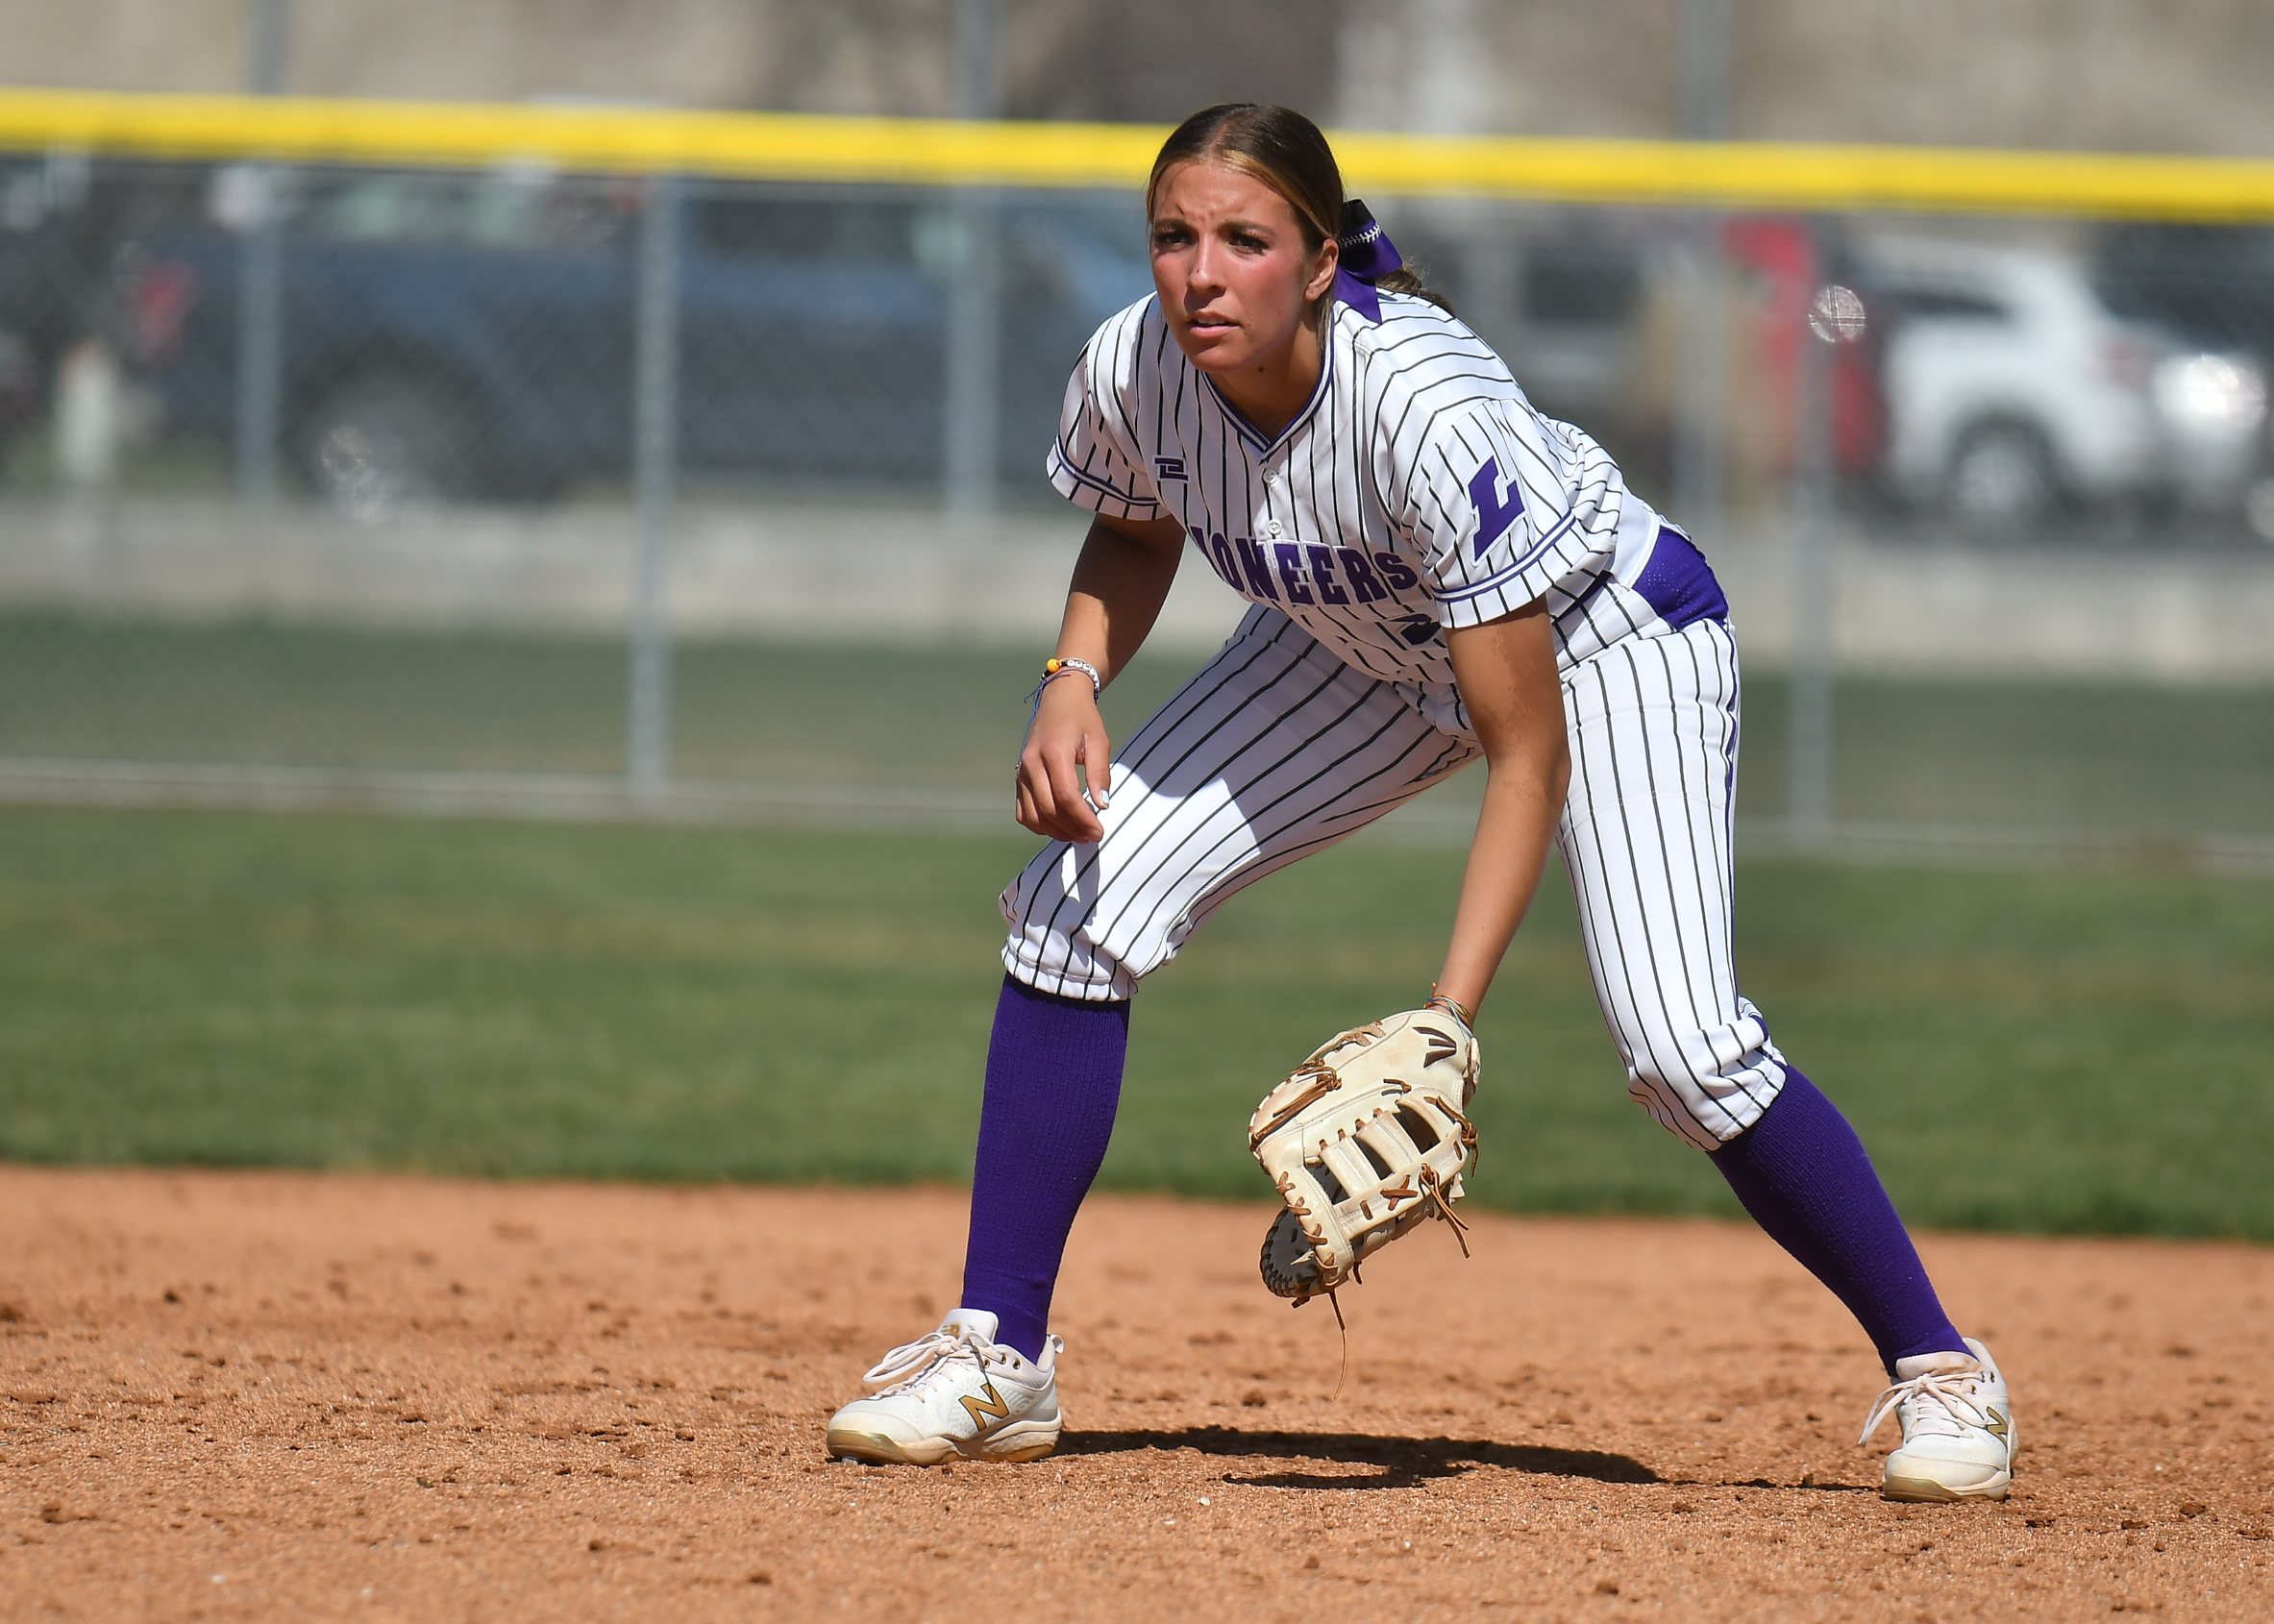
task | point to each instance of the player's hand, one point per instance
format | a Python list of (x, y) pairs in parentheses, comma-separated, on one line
[(1067, 731)]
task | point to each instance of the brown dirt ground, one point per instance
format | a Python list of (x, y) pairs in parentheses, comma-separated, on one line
[(287, 1396)]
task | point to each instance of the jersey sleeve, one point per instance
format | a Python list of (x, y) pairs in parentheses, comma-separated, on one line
[(1096, 462), (1485, 499)]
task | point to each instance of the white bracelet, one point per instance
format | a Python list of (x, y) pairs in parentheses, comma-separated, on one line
[(1052, 668)]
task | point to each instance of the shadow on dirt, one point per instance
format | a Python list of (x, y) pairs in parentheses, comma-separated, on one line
[(1402, 1459)]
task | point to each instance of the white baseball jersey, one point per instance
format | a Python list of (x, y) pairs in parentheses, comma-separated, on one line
[(1417, 490)]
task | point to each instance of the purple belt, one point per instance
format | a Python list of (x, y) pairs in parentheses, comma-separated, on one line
[(1679, 583)]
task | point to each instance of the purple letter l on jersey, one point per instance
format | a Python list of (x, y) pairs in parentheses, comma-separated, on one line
[(1491, 516)]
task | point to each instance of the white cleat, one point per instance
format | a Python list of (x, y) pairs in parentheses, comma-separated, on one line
[(955, 1395), (1958, 1428)]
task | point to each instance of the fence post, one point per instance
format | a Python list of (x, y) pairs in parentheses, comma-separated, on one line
[(1809, 727), (654, 428), (974, 430), (1701, 378), (259, 344), (260, 282), (971, 440), (1702, 382)]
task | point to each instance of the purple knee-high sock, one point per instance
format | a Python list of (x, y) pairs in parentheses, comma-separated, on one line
[(1053, 1083), (1803, 1173)]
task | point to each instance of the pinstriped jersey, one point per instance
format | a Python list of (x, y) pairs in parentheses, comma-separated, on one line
[(1417, 490)]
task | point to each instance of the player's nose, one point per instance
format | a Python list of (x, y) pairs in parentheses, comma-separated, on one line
[(1204, 267)]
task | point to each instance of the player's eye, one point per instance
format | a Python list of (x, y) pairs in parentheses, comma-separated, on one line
[(1170, 235), (1250, 242)]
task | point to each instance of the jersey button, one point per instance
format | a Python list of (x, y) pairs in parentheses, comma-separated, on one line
[(1273, 528)]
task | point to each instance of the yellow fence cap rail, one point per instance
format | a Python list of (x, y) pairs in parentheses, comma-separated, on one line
[(748, 145), (1766, 175), (920, 151)]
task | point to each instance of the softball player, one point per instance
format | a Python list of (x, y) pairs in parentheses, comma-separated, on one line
[(1438, 574)]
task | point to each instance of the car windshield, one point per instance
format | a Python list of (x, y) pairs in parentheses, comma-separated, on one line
[(507, 211), (1949, 303), (813, 229), (2215, 284)]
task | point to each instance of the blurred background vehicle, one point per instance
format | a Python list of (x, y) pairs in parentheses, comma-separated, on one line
[(466, 337), (2014, 389), (2213, 285)]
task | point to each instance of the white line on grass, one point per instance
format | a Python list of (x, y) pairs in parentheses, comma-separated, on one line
[(568, 797)]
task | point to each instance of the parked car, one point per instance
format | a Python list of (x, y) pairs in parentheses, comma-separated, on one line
[(2013, 388), (473, 336), (2214, 286)]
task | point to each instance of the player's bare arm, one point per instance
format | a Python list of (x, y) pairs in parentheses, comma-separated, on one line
[(1120, 582), (1506, 673)]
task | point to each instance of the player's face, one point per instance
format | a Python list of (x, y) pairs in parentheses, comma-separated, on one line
[(1230, 263)]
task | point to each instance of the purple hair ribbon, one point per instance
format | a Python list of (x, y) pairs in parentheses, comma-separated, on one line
[(1367, 257)]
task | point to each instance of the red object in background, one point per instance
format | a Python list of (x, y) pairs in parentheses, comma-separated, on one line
[(1781, 256), (157, 307)]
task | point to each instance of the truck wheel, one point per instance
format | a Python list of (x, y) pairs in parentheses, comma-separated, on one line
[(2001, 479), (381, 444)]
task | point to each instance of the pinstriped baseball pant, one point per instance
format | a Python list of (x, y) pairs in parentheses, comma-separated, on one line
[(1277, 749)]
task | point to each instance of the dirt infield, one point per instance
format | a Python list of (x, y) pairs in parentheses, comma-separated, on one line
[(282, 1396)]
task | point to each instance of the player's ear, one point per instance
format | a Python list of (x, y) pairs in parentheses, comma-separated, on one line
[(1322, 268)]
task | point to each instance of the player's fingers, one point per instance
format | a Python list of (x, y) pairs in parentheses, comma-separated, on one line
[(1072, 813), (1037, 808), (1097, 762), (1049, 796)]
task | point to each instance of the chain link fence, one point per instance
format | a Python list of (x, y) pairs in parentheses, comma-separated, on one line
[(531, 489)]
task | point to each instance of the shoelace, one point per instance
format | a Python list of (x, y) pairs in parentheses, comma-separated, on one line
[(910, 1363), (1938, 1394)]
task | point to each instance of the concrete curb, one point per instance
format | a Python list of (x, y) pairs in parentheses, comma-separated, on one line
[(855, 572)]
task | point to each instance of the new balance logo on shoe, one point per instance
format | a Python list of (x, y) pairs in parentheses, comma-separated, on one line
[(980, 1413)]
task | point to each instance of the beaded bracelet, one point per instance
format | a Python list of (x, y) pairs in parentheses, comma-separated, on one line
[(1056, 668)]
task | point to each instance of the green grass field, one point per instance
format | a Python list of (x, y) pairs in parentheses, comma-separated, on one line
[(2040, 1050), (2052, 754)]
